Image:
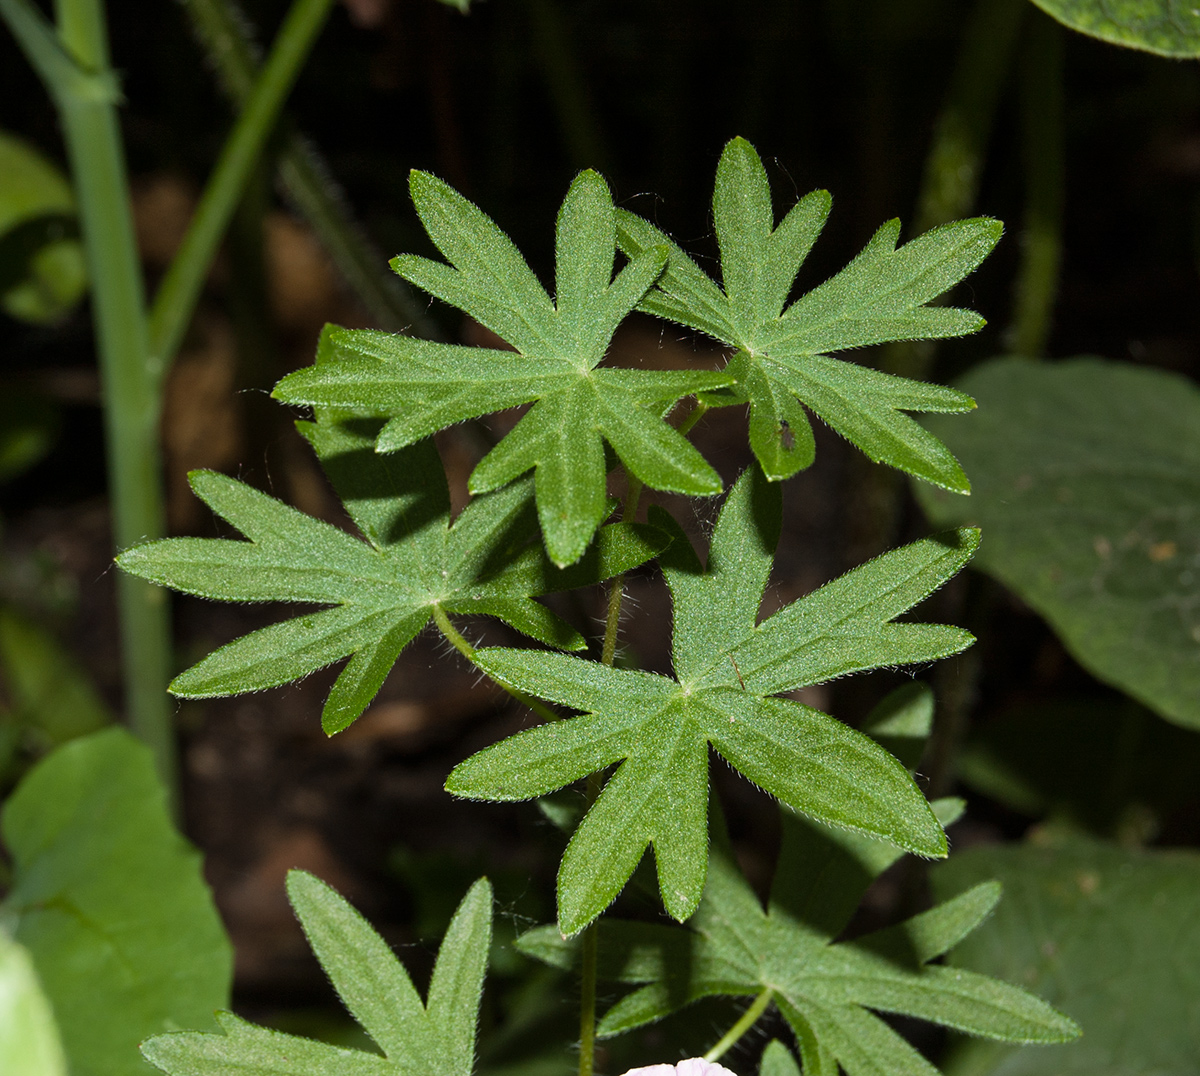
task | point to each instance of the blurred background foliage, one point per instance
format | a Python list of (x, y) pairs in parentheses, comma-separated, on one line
[(1070, 728)]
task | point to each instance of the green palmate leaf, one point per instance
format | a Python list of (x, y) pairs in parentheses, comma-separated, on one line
[(728, 670), (423, 387), (1110, 935), (1165, 27), (1088, 478), (109, 901), (782, 354), (29, 1040), (383, 591), (431, 1038), (736, 947)]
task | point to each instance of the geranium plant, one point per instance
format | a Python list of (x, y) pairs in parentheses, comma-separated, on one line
[(638, 741)]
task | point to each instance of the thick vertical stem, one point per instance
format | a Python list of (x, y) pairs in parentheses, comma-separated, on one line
[(1045, 177), (131, 403)]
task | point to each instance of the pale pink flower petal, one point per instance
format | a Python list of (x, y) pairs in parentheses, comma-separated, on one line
[(694, 1066)]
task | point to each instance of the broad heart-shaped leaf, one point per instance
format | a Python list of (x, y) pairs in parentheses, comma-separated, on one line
[(382, 591), (1109, 934), (1089, 490), (423, 387), (1165, 27), (736, 947), (109, 901), (783, 354), (728, 670), (434, 1038)]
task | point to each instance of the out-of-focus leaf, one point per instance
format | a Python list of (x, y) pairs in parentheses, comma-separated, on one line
[(1097, 762), (431, 1038), (902, 722), (1164, 27), (1109, 936), (110, 902), (1087, 485), (28, 428), (777, 1060), (29, 1040), (42, 272), (52, 699)]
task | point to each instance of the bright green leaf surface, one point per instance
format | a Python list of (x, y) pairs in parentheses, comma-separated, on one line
[(29, 1040), (1165, 27), (423, 387), (824, 989), (1088, 488), (728, 668), (110, 903), (1110, 936), (382, 591), (42, 273), (782, 354), (431, 1038)]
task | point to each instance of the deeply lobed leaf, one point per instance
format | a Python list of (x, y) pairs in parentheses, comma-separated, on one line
[(383, 591), (782, 358), (435, 1038), (422, 387), (729, 668), (824, 988)]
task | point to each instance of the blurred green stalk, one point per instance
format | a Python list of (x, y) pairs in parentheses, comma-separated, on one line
[(1045, 185), (950, 184), (73, 62), (74, 65), (176, 298), (222, 30)]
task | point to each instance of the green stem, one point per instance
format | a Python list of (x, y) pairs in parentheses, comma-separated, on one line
[(692, 417), (1045, 180), (587, 964), (74, 65), (747, 1020), (587, 976), (454, 637), (176, 298), (950, 183), (221, 28)]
